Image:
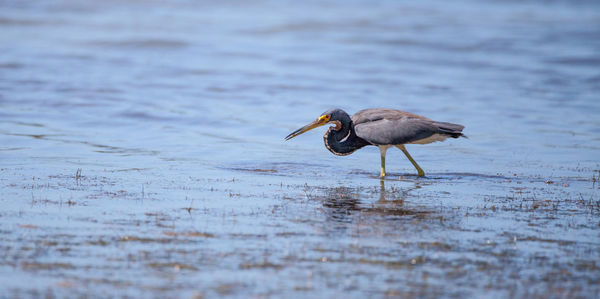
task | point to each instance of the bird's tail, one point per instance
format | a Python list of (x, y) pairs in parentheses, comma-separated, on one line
[(450, 129)]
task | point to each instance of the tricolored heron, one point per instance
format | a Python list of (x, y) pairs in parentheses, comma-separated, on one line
[(383, 128)]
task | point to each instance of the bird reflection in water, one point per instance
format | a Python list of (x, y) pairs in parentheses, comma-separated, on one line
[(344, 203)]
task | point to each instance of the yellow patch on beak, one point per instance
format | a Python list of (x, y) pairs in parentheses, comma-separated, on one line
[(323, 118)]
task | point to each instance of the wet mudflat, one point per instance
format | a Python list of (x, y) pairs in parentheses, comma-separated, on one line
[(142, 152)]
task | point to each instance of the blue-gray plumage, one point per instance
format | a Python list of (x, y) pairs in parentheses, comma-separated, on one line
[(380, 127)]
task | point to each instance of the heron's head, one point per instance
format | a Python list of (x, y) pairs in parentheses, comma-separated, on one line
[(334, 116)]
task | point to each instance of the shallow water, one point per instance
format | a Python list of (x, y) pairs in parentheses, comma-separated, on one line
[(142, 152)]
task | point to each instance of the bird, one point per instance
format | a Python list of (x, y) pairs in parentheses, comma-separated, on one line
[(383, 128)]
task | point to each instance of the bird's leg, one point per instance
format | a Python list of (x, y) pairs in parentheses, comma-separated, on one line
[(414, 163), (383, 149)]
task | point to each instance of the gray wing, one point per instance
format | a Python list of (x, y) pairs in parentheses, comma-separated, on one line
[(371, 115), (396, 131)]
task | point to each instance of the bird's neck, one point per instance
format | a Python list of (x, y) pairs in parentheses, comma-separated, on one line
[(343, 141)]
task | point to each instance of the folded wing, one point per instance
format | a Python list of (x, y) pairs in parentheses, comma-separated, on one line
[(387, 127)]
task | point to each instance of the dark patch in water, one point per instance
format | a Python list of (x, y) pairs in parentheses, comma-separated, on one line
[(160, 44), (590, 61)]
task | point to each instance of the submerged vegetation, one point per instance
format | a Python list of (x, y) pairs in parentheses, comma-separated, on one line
[(524, 237)]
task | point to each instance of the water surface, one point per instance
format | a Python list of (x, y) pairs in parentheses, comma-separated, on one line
[(142, 152)]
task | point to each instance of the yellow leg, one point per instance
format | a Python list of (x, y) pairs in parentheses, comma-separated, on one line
[(383, 149), (414, 163)]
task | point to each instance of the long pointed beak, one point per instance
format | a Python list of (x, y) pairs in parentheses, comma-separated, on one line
[(317, 123)]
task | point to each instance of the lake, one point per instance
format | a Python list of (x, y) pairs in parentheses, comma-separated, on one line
[(142, 149)]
